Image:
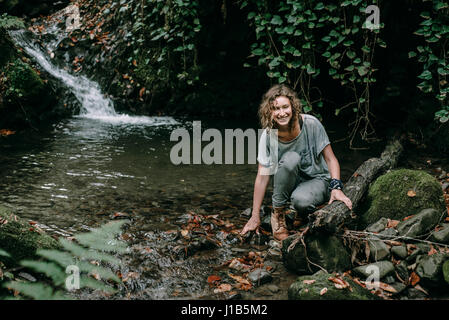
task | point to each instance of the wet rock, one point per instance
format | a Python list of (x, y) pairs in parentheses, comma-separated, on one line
[(378, 249), (194, 247), (388, 233), (399, 251), (310, 287), (385, 268), (256, 239), (442, 235), (387, 196), (420, 223), (378, 226), (273, 288), (324, 250), (20, 239), (430, 269), (259, 276)]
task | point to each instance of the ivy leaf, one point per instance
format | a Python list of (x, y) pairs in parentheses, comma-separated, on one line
[(411, 54), (277, 20), (440, 5), (362, 70), (426, 75), (351, 54)]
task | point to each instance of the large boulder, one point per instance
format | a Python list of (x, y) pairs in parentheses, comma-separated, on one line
[(401, 193), (20, 239), (311, 287), (324, 250)]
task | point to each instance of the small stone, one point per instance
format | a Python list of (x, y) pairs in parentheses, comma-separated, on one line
[(378, 249), (384, 267), (378, 226), (273, 288), (442, 235), (430, 269), (399, 251), (259, 276), (388, 233)]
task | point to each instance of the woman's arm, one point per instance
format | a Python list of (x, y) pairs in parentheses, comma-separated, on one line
[(260, 186), (334, 170)]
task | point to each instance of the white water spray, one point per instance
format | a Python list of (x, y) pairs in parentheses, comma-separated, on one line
[(94, 104)]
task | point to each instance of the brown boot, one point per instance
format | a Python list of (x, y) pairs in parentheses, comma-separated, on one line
[(278, 224)]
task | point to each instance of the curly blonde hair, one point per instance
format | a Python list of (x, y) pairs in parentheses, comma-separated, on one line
[(266, 106)]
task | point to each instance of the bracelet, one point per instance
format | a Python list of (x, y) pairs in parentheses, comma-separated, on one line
[(335, 184)]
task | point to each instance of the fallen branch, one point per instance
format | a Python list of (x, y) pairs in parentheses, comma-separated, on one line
[(334, 216)]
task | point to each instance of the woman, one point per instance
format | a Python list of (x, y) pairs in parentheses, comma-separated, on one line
[(307, 174)]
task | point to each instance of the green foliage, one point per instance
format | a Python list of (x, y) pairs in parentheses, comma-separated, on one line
[(431, 53), (293, 37), (21, 81), (164, 39), (91, 250), (8, 22)]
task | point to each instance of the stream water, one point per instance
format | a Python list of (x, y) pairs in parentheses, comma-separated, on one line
[(81, 172)]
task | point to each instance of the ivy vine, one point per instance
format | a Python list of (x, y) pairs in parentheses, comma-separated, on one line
[(293, 37), (432, 55)]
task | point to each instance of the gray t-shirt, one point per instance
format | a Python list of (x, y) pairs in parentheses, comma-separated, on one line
[(308, 144)]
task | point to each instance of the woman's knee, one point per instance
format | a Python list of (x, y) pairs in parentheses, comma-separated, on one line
[(302, 204)]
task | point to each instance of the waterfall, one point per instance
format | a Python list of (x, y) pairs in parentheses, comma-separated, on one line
[(94, 104)]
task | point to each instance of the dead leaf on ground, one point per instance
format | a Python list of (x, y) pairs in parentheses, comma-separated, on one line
[(392, 223), (323, 291), (432, 251), (224, 287), (414, 279), (411, 193), (387, 287), (308, 281), (406, 218), (213, 279)]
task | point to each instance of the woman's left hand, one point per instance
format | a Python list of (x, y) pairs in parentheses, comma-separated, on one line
[(340, 196)]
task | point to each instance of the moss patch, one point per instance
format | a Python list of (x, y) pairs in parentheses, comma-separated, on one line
[(300, 290), (20, 239), (388, 196)]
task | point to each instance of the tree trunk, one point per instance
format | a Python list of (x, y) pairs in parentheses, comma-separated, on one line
[(334, 217)]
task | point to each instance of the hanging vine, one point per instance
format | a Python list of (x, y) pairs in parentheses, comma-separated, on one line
[(293, 37)]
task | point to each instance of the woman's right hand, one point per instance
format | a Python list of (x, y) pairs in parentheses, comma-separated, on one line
[(252, 224)]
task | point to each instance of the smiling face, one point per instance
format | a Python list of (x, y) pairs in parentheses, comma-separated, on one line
[(282, 112)]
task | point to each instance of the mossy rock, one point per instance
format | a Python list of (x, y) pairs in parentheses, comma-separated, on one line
[(300, 290), (324, 250), (20, 239), (387, 196)]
